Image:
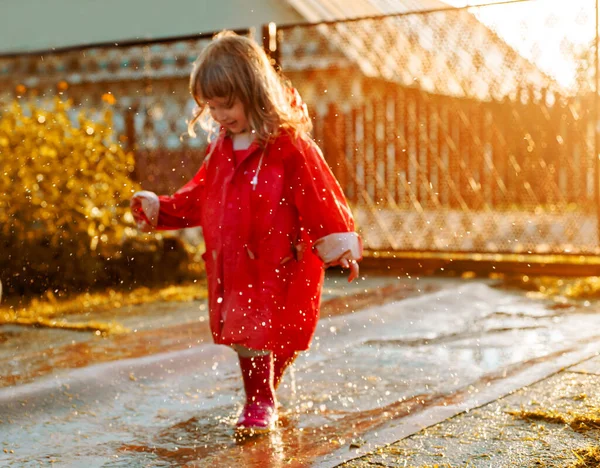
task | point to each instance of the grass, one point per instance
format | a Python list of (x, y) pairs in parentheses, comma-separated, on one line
[(50, 310), (588, 457)]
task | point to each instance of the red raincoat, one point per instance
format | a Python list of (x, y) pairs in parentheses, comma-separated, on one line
[(264, 279)]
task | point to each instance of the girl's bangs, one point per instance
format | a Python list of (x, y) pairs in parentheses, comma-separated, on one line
[(215, 82)]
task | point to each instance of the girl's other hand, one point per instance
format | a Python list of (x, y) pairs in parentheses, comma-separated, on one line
[(353, 266), (342, 248), (136, 206), (143, 226), (139, 216)]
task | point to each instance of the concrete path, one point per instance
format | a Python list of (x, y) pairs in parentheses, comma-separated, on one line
[(380, 369)]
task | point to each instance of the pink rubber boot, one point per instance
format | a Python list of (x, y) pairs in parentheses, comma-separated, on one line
[(259, 414)]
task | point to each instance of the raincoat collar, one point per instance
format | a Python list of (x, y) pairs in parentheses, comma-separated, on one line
[(252, 149)]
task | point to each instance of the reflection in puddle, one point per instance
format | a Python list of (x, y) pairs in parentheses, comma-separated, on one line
[(186, 441), (209, 440)]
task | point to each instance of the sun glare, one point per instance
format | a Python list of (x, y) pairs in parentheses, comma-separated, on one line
[(552, 34)]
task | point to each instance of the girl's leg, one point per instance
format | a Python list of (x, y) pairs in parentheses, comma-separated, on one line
[(259, 413), (281, 361)]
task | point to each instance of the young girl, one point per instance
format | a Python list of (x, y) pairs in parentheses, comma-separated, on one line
[(272, 215)]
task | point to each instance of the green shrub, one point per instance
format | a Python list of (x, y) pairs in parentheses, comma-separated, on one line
[(64, 207)]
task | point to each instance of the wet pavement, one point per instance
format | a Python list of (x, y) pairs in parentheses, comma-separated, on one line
[(387, 352), (28, 353), (552, 423)]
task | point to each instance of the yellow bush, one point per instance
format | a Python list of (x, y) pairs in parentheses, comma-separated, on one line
[(64, 203)]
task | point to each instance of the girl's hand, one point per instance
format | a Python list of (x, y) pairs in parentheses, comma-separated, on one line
[(342, 248), (140, 218), (353, 266), (143, 226)]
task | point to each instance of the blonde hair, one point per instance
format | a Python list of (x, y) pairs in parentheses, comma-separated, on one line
[(234, 66)]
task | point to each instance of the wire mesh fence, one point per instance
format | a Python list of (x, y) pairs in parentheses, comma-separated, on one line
[(452, 129)]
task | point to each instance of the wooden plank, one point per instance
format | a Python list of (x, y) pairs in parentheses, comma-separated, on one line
[(363, 164), (378, 161), (417, 183), (475, 167), (439, 148), (403, 153), (352, 189), (453, 162), (499, 156), (427, 183)]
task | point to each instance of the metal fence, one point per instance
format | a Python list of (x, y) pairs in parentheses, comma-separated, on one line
[(452, 130), (451, 133)]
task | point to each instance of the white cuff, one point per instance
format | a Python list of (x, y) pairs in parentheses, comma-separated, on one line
[(150, 205), (333, 247)]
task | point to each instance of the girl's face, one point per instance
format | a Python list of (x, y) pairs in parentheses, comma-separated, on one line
[(231, 116)]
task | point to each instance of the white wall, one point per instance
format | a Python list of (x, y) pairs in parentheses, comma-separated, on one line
[(27, 25)]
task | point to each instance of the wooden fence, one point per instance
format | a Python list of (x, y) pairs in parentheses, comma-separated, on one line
[(408, 147), (476, 155)]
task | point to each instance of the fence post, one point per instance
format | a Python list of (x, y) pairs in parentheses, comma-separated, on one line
[(596, 123), (334, 144), (271, 44), (130, 143)]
